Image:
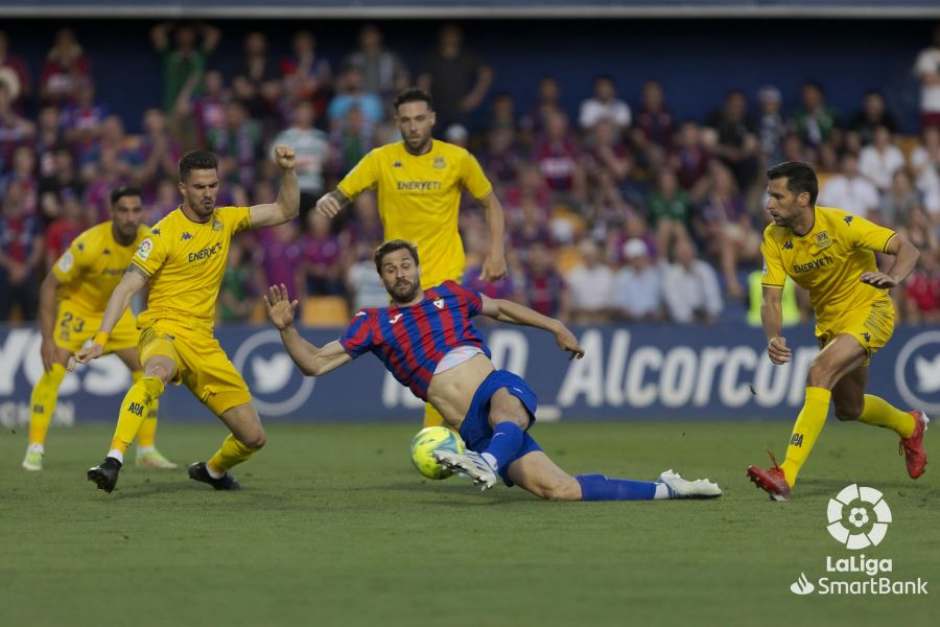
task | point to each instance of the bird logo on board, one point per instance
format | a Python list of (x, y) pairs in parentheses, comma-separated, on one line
[(788, 245), (439, 303), (187, 235), (439, 163)]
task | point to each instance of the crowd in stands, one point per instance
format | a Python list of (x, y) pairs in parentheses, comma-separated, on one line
[(615, 211)]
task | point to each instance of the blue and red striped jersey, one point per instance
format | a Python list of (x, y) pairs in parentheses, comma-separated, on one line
[(411, 341)]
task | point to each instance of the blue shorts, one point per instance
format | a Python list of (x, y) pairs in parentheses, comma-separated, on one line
[(476, 430)]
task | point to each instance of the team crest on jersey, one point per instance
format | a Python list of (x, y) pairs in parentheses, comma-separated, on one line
[(187, 235), (155, 231), (439, 303), (439, 163), (216, 225), (145, 247), (822, 240)]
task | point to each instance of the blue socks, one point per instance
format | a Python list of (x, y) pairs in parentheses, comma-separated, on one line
[(601, 488), (504, 445)]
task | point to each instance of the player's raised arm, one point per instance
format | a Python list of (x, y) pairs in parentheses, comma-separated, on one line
[(311, 360), (905, 258), (287, 205), (514, 313), (362, 177), (133, 280)]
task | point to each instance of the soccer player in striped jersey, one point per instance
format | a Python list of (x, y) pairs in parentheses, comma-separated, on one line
[(418, 183), (428, 342)]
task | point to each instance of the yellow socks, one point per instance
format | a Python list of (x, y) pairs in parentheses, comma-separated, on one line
[(233, 452), (881, 413), (806, 430), (432, 417), (42, 403), (134, 410)]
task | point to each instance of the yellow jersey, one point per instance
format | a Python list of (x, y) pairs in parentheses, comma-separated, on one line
[(185, 261), (419, 199), (827, 261), (90, 269)]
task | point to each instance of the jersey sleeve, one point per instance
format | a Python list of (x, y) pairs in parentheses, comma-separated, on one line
[(866, 234), (473, 179), (469, 296), (73, 261), (358, 338), (774, 275), (362, 177), (151, 254), (236, 219)]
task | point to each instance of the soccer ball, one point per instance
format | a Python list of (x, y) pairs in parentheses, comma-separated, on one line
[(426, 442)]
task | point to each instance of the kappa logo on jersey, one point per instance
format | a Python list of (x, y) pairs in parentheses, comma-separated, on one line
[(396, 164), (145, 249), (205, 253), (788, 245), (848, 219), (439, 303), (439, 163), (187, 235)]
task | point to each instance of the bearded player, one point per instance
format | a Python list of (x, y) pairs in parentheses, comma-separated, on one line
[(428, 341), (72, 299), (418, 182), (183, 262), (831, 253)]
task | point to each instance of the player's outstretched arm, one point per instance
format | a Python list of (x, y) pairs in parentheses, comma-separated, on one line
[(771, 316), (287, 205), (514, 313), (311, 360), (905, 258), (133, 280), (331, 203)]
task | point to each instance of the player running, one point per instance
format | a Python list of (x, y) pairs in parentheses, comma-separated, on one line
[(72, 299), (419, 182), (427, 340), (183, 262), (831, 253)]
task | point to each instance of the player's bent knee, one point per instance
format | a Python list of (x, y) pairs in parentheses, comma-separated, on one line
[(255, 441)]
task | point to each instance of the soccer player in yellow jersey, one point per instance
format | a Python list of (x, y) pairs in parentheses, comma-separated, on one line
[(72, 299), (183, 262), (418, 182), (831, 253)]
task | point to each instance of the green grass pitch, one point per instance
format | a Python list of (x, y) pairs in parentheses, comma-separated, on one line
[(334, 527)]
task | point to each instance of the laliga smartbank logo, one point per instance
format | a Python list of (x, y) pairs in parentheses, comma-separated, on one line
[(858, 518)]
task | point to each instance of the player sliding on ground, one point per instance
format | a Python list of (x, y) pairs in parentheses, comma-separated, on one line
[(183, 262), (427, 340), (831, 253), (72, 300)]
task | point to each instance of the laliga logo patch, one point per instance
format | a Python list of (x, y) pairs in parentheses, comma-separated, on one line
[(277, 386), (145, 247), (917, 371), (858, 517)]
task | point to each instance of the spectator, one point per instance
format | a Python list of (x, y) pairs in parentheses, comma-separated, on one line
[(690, 158), (927, 69), (899, 201), (350, 142), (106, 175), (503, 158), (65, 181), (547, 104), (183, 66), (637, 286), (737, 145), (321, 267), (159, 152), (66, 227), (281, 256), (872, 115), (239, 144), (311, 150), (921, 302), (14, 129), (503, 116), (669, 209), (654, 121), (352, 94), (693, 294), (557, 157), (608, 154), (48, 138), (456, 79), (14, 73), (925, 164), (850, 190), (21, 256), (363, 283), (236, 293), (544, 289), (21, 181), (208, 108), (814, 121), (66, 68), (307, 76), (82, 119), (383, 71), (771, 127), (166, 201), (604, 105), (591, 284), (879, 161)]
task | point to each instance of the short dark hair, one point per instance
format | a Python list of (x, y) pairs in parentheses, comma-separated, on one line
[(390, 247), (413, 94), (800, 178), (124, 190), (197, 160)]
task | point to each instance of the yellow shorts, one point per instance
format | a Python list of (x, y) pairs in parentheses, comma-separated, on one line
[(74, 325), (201, 364), (871, 326)]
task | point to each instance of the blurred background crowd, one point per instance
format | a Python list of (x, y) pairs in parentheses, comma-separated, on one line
[(617, 209)]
